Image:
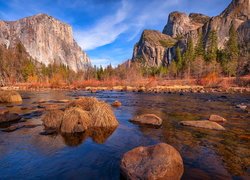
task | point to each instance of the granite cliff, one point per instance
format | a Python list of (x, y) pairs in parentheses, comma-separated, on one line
[(46, 39), (181, 26)]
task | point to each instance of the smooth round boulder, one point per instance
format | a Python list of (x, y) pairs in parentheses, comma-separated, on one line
[(160, 161), (147, 119), (10, 97), (53, 119), (216, 118), (203, 124)]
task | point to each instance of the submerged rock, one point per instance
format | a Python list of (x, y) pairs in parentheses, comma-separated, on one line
[(10, 97), (12, 128), (216, 118), (242, 106), (148, 119), (9, 117), (160, 161), (203, 124)]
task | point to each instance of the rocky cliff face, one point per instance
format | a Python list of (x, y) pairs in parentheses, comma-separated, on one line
[(181, 26), (151, 49), (46, 39)]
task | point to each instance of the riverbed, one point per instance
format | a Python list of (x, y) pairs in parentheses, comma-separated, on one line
[(26, 153)]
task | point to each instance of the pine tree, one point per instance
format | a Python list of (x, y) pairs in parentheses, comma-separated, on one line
[(233, 52), (199, 48), (212, 46), (178, 58), (189, 55), (232, 44)]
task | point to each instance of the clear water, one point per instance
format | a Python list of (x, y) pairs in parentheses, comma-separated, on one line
[(207, 154)]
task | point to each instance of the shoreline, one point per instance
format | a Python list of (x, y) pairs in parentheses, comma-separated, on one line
[(142, 89)]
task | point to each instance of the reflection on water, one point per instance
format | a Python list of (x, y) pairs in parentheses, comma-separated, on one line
[(98, 135), (96, 154)]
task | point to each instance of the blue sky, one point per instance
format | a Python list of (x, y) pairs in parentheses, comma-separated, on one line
[(108, 29)]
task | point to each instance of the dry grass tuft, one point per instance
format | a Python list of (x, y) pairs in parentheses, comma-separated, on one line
[(53, 119), (75, 120), (10, 97), (85, 103), (102, 115)]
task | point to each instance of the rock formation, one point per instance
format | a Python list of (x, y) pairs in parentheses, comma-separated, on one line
[(180, 23), (181, 26), (152, 47), (160, 161), (46, 39)]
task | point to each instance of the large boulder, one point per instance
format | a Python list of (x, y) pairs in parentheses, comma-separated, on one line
[(216, 118), (203, 124), (10, 97), (53, 119), (147, 119), (75, 120), (160, 161)]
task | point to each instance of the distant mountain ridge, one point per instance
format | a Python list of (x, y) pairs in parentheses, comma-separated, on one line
[(46, 39), (181, 26)]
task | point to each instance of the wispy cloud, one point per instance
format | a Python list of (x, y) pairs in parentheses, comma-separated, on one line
[(130, 18), (105, 31)]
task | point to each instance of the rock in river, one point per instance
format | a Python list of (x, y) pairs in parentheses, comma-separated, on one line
[(160, 161), (203, 124), (9, 117), (216, 118), (147, 119), (10, 97), (116, 104)]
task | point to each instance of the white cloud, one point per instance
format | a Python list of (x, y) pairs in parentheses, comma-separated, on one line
[(105, 31), (130, 18)]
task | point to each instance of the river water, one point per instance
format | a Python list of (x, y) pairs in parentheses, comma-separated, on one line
[(207, 154)]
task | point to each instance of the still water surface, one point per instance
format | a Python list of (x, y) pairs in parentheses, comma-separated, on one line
[(207, 154)]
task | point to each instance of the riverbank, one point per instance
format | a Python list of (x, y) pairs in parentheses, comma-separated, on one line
[(154, 89), (228, 85)]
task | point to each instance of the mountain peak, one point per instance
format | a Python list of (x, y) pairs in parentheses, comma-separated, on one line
[(238, 9)]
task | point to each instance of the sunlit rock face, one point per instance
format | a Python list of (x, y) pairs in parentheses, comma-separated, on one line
[(152, 48), (180, 23), (181, 26), (46, 39)]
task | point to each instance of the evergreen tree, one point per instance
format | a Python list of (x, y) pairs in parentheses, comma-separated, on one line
[(178, 58), (189, 54), (230, 64), (212, 46), (199, 48), (232, 44)]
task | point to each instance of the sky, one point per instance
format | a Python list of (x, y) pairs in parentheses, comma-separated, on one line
[(108, 29)]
